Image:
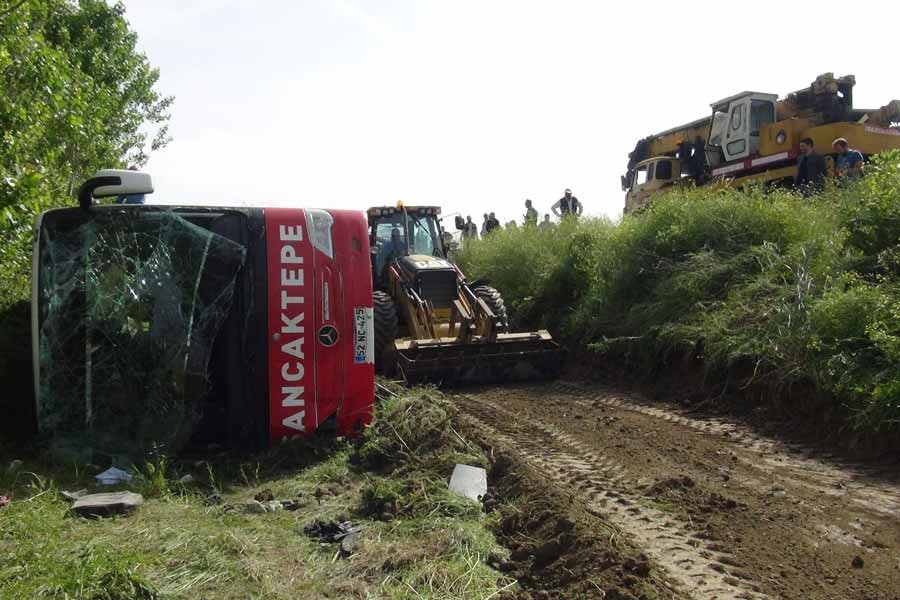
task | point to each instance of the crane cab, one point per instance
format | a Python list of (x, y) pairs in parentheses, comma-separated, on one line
[(649, 177), (735, 126)]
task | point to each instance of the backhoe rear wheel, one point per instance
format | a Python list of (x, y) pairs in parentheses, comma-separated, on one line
[(495, 302), (386, 326)]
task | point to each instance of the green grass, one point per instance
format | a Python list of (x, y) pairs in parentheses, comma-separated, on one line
[(176, 546), (765, 286)]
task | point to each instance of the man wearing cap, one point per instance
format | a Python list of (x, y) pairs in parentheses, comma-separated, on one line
[(566, 206), (849, 163)]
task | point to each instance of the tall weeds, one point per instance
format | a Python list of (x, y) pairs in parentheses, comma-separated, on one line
[(796, 289)]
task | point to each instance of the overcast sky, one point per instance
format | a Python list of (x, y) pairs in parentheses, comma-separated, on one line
[(473, 106)]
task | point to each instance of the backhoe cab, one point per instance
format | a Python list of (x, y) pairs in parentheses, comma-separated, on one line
[(430, 323)]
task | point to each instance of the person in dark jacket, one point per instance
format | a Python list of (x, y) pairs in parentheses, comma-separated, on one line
[(567, 206), (811, 169), (492, 223), (698, 161), (469, 231)]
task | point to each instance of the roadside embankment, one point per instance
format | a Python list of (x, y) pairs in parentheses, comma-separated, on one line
[(794, 300)]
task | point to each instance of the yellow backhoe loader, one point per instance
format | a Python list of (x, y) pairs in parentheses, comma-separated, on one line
[(431, 323)]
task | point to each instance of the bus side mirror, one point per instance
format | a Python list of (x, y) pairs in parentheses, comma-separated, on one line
[(114, 182)]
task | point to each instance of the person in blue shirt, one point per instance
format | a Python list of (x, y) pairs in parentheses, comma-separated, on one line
[(391, 249), (849, 163)]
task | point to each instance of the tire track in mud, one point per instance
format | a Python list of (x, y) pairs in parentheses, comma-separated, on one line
[(690, 561), (790, 464)]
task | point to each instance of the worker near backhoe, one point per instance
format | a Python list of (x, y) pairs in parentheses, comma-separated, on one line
[(567, 206), (391, 249), (849, 163), (469, 231), (811, 169), (531, 215)]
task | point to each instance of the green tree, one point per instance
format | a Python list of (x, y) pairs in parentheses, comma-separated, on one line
[(75, 96)]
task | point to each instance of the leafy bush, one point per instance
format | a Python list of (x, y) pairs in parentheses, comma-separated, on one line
[(77, 96), (799, 289)]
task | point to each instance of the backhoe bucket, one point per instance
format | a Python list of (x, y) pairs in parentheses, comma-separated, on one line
[(508, 357)]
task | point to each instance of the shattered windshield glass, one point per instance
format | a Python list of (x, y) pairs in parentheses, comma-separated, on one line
[(130, 303)]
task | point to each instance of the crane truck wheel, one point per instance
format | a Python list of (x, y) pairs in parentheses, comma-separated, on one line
[(494, 300), (386, 327)]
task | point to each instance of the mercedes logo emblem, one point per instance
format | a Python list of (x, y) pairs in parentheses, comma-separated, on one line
[(328, 336)]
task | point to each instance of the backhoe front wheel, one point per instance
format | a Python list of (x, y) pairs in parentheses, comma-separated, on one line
[(495, 302), (386, 327)]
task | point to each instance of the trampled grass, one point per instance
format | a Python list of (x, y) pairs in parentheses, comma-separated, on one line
[(765, 283), (430, 545)]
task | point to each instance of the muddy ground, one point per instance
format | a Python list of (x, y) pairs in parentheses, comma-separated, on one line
[(627, 498)]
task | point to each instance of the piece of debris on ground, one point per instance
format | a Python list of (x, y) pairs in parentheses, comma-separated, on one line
[(469, 482), (107, 504)]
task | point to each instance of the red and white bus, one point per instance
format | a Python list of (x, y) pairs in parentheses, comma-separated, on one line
[(198, 324)]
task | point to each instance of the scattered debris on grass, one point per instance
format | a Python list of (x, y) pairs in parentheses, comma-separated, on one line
[(194, 538), (114, 476), (72, 496), (107, 504), (469, 482), (344, 532)]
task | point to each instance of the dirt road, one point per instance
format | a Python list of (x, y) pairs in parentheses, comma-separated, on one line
[(720, 511)]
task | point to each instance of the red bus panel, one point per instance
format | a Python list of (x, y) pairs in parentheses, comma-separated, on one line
[(292, 383), (320, 321)]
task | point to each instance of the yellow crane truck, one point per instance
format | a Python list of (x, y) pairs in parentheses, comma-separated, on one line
[(753, 136)]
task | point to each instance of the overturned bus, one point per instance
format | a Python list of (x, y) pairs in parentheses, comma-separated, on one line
[(178, 326)]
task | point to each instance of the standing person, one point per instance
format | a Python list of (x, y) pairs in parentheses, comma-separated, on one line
[(849, 162), (698, 160), (566, 206), (390, 249), (531, 215), (484, 225), (492, 223), (811, 169), (546, 224), (470, 230)]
